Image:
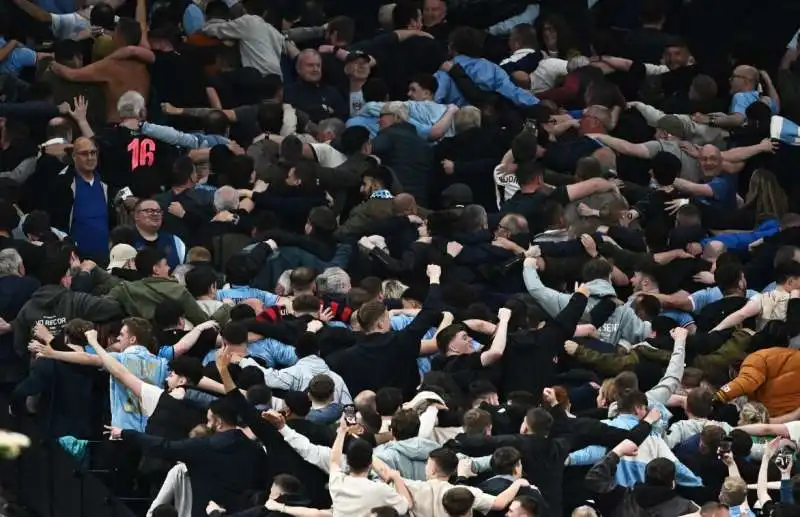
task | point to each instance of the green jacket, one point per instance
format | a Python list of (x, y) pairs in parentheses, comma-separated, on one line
[(141, 297), (732, 350)]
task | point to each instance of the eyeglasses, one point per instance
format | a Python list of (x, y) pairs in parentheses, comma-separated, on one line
[(91, 152), (151, 211)]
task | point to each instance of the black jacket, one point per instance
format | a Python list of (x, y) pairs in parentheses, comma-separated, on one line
[(543, 458), (282, 458), (390, 359), (640, 501), (223, 466), (532, 356), (497, 484), (63, 389), (61, 200), (14, 292), (409, 156)]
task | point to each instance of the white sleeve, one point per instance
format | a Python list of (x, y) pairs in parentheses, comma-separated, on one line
[(483, 501), (508, 182), (655, 69), (67, 26), (150, 396), (794, 430), (547, 74), (317, 455)]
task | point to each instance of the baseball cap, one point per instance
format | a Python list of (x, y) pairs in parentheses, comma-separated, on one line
[(120, 254), (457, 194), (356, 55), (673, 125)]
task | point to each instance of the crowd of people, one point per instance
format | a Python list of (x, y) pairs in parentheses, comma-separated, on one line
[(427, 258)]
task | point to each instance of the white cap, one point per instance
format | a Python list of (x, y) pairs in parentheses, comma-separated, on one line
[(120, 254)]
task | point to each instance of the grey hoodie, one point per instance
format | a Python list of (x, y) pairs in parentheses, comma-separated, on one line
[(622, 324), (407, 456), (55, 306)]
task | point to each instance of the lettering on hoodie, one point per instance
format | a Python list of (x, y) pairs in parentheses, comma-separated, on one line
[(55, 324)]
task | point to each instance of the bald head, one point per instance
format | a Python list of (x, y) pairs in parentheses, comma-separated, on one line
[(710, 160), (404, 204), (713, 250), (606, 157), (365, 399), (84, 151), (513, 224), (744, 79)]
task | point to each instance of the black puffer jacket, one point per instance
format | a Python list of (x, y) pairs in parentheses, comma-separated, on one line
[(642, 500)]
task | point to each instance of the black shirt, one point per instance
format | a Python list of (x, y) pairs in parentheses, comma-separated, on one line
[(178, 79), (532, 206), (129, 158), (319, 101), (466, 369), (238, 87)]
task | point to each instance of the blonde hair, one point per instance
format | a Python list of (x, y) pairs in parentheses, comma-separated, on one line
[(765, 196), (608, 391), (393, 289), (734, 491), (467, 118), (753, 413)]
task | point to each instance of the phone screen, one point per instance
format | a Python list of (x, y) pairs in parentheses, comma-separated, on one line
[(350, 414)]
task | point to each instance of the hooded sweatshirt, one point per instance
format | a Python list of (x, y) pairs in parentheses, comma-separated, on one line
[(642, 500), (623, 323), (55, 306), (407, 456)]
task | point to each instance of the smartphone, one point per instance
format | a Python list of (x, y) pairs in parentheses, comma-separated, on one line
[(725, 446), (783, 459), (349, 414)]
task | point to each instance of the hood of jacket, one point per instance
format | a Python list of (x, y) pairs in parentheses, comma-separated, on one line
[(48, 296), (600, 288), (660, 500), (412, 449)]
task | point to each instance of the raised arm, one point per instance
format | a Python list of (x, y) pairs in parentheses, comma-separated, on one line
[(114, 367), (74, 357), (692, 188), (34, 11), (622, 146), (740, 154), (495, 352), (190, 339)]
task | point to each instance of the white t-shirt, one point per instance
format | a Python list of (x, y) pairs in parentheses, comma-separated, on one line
[(150, 396), (547, 74), (428, 496), (356, 496), (327, 156)]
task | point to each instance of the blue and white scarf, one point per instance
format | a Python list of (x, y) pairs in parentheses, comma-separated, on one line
[(381, 194)]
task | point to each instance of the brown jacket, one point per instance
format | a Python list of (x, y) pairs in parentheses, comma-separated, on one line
[(124, 70), (770, 376)]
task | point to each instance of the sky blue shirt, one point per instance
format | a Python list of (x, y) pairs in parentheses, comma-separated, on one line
[(742, 100), (401, 321), (18, 59), (271, 351), (126, 408), (710, 295), (237, 293)]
